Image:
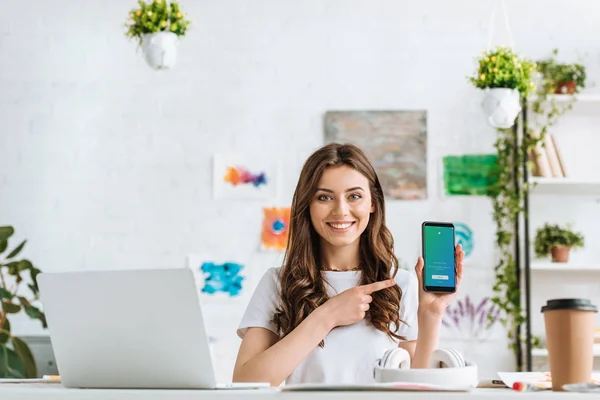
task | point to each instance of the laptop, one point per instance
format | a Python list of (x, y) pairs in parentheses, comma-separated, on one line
[(139, 329)]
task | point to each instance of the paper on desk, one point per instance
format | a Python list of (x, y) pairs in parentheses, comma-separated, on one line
[(37, 381), (582, 387), (388, 386), (541, 379)]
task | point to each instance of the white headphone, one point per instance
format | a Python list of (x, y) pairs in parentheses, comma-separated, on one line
[(447, 368), (441, 358)]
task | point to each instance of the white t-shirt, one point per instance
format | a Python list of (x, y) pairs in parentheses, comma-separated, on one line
[(350, 351)]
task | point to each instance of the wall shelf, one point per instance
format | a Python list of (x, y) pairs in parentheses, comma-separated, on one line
[(565, 267), (564, 186), (565, 98), (544, 352)]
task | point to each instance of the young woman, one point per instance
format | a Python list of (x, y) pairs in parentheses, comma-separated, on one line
[(339, 300)]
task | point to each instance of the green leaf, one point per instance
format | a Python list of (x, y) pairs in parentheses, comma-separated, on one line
[(24, 353), (4, 332), (34, 273), (3, 245), (24, 265), (17, 250), (24, 302), (6, 232), (13, 268), (10, 308), (5, 294), (36, 313), (11, 365), (43, 320), (33, 288), (4, 369)]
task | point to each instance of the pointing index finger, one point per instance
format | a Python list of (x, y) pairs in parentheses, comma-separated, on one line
[(375, 286)]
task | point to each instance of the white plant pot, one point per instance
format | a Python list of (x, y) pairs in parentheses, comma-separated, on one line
[(501, 107), (160, 49)]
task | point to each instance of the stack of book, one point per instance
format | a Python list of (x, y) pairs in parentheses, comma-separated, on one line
[(546, 159)]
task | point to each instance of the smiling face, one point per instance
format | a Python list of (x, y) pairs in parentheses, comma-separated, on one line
[(341, 207)]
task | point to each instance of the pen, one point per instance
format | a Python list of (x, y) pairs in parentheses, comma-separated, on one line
[(527, 387)]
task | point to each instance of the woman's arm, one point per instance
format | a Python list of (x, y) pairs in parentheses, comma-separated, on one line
[(420, 350), (427, 340), (262, 358), (430, 313)]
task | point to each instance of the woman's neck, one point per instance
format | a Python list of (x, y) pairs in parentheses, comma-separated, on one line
[(340, 258)]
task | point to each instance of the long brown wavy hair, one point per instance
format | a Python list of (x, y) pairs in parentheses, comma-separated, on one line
[(302, 288)]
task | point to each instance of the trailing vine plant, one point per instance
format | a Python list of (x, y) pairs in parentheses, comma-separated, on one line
[(508, 194), (503, 68)]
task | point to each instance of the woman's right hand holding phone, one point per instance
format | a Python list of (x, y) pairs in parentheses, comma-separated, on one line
[(436, 303)]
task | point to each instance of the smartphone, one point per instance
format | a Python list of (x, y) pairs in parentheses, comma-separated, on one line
[(439, 270)]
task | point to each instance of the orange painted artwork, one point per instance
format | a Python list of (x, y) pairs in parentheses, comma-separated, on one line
[(239, 175), (275, 228)]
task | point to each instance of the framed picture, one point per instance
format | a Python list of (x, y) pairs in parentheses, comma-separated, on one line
[(394, 141)]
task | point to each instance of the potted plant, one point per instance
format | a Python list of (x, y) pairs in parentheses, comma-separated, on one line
[(157, 26), (561, 78), (16, 359), (504, 76), (556, 241)]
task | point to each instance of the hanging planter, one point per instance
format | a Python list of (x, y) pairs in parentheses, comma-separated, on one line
[(160, 49), (501, 106), (157, 26), (505, 77)]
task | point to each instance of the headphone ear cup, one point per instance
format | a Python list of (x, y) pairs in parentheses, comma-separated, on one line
[(396, 358), (459, 360), (384, 358), (447, 358)]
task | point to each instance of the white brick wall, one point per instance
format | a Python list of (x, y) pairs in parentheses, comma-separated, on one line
[(107, 164)]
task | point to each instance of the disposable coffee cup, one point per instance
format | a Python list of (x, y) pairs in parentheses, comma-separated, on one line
[(569, 325)]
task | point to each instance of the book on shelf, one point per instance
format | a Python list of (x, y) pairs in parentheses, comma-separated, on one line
[(546, 158), (552, 157), (558, 156)]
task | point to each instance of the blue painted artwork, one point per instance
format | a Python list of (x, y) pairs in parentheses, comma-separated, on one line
[(222, 278), (464, 237)]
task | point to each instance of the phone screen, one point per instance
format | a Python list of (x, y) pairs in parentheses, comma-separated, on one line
[(438, 255)]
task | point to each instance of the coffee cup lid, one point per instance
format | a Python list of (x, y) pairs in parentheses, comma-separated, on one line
[(569, 304)]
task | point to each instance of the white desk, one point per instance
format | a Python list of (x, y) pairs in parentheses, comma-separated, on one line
[(56, 392)]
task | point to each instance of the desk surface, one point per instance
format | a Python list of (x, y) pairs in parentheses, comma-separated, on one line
[(57, 392)]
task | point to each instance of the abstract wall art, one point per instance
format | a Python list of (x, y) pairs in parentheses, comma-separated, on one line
[(275, 228), (222, 278), (464, 237), (469, 174), (218, 279), (245, 177), (394, 141)]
